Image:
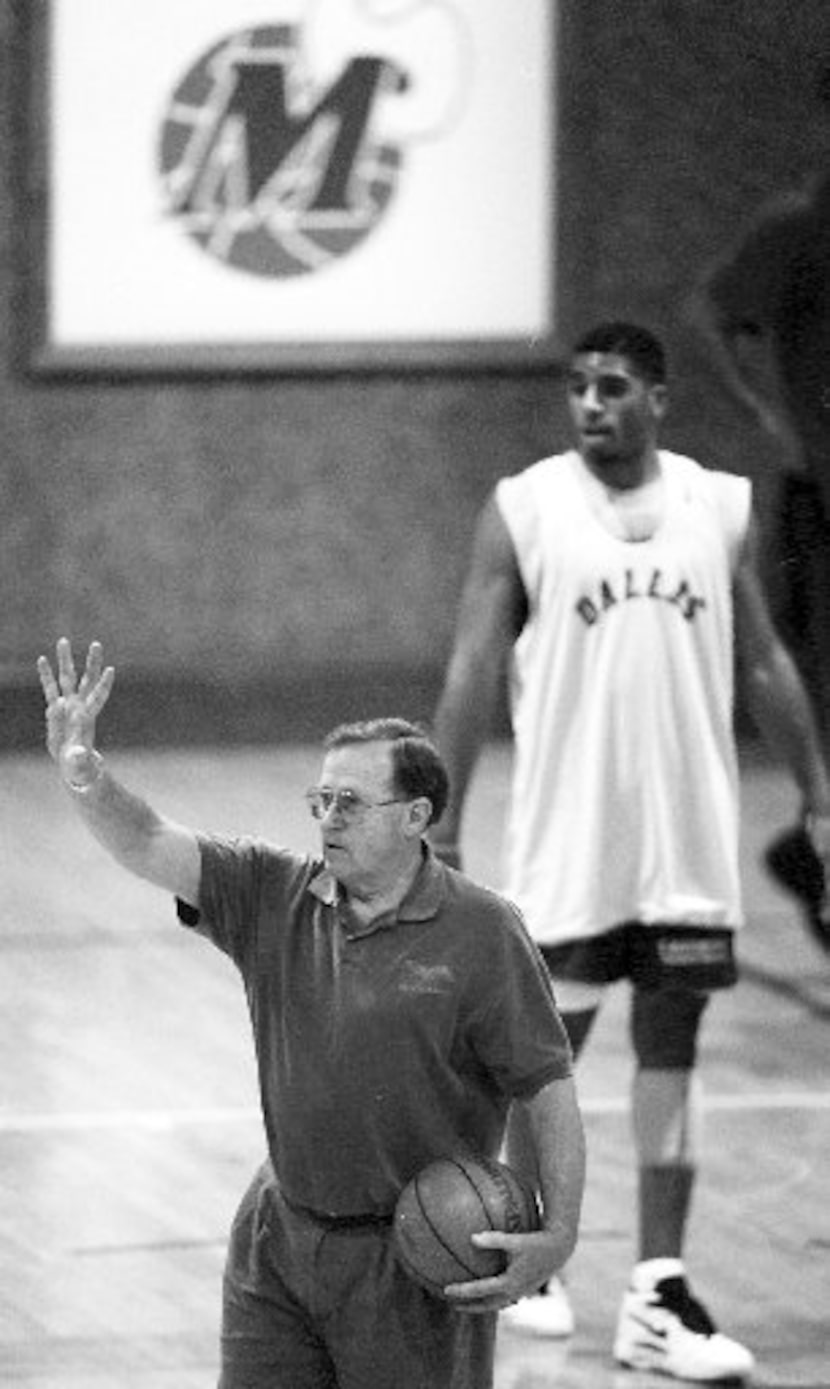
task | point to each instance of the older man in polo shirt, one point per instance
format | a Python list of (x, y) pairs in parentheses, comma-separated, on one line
[(398, 1010)]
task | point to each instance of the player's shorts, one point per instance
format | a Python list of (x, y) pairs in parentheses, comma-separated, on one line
[(696, 958)]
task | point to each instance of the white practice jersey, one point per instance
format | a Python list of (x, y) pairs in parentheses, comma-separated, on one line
[(624, 802)]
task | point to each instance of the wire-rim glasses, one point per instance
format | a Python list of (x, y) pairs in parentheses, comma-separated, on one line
[(348, 804)]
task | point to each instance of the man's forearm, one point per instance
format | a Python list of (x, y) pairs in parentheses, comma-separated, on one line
[(461, 727), (134, 834), (150, 846), (462, 722), (559, 1141), (121, 822)]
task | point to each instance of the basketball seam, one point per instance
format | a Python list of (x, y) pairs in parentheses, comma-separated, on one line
[(512, 1212), (440, 1238), (463, 1168), (418, 1274)]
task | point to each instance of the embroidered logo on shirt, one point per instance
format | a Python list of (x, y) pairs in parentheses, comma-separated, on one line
[(415, 978)]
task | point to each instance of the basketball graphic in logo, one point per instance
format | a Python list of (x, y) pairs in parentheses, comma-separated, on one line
[(270, 172)]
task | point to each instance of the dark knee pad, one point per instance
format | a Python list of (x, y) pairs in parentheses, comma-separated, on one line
[(664, 1027)]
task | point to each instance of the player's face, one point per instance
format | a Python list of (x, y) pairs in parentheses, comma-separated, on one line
[(365, 842), (614, 410)]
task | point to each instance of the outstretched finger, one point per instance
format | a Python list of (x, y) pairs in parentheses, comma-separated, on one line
[(100, 692), (67, 678), (92, 670), (48, 683)]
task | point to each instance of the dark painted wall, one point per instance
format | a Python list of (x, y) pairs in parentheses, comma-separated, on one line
[(260, 556)]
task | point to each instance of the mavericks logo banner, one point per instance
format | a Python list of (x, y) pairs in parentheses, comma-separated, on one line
[(292, 172), (276, 172)]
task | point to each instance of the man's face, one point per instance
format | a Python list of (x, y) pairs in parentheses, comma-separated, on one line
[(366, 845), (615, 412)]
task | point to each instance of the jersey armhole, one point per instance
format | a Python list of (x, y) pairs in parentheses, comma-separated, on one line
[(518, 506), (734, 507)]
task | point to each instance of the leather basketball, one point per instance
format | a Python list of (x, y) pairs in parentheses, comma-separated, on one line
[(446, 1203)]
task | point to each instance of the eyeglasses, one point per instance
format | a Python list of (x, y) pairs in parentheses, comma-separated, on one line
[(348, 804)]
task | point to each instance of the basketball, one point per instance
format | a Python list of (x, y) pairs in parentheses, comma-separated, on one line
[(446, 1203)]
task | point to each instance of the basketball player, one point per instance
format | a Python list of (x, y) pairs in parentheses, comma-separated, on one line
[(398, 1010), (614, 577)]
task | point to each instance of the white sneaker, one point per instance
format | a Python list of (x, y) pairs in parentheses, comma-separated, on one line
[(548, 1313), (662, 1327)]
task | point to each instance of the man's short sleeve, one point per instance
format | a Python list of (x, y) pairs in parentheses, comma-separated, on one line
[(517, 1030), (243, 882)]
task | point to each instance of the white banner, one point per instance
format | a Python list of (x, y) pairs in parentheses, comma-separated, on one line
[(288, 174)]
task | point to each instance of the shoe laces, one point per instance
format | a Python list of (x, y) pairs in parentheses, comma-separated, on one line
[(673, 1294)]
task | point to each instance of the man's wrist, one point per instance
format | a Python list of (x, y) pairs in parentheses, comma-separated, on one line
[(82, 769)]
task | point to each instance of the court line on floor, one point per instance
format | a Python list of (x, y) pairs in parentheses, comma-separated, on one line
[(810, 994), (151, 1119)]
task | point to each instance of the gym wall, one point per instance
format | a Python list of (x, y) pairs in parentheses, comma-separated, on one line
[(263, 556)]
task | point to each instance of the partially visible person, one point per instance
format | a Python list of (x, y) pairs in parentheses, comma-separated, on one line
[(764, 306), (398, 1010), (613, 582)]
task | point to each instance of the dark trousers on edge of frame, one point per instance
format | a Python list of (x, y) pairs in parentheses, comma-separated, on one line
[(310, 1305)]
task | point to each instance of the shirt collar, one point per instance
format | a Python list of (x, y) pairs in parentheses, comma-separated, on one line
[(422, 901)]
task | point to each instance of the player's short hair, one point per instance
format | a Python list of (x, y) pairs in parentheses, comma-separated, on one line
[(641, 349), (417, 767)]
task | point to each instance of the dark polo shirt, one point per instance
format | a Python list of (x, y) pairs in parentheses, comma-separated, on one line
[(379, 1048)]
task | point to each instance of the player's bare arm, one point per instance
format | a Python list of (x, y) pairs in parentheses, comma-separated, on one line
[(775, 694), (491, 615), (142, 841), (559, 1143)]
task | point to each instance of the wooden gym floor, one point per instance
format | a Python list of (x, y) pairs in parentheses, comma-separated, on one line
[(129, 1122)]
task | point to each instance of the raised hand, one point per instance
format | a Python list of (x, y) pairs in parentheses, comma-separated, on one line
[(73, 705)]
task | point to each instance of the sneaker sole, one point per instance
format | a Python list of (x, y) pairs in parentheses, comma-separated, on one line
[(652, 1366)]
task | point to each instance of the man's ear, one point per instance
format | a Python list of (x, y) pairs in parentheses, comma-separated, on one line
[(420, 814)]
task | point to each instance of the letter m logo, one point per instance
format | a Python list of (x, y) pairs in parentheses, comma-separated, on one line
[(265, 145)]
